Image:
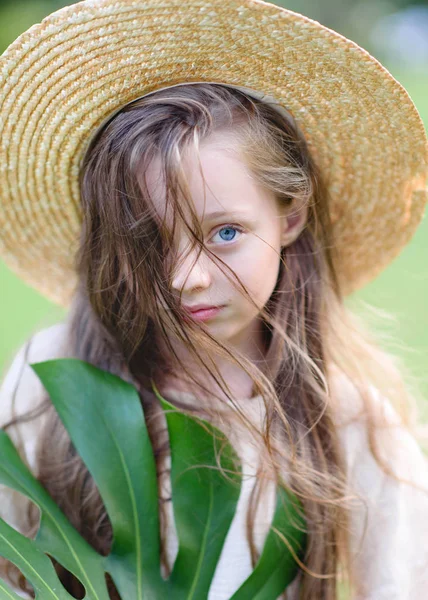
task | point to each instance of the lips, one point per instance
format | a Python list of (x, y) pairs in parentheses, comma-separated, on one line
[(206, 313), (198, 307)]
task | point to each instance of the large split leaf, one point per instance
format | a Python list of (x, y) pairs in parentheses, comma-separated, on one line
[(105, 421)]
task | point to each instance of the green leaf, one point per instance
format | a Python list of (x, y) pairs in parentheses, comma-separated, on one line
[(204, 501), (277, 567), (104, 418), (35, 565), (55, 530), (194, 497)]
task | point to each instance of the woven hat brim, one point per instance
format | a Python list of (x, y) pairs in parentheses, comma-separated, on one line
[(65, 77)]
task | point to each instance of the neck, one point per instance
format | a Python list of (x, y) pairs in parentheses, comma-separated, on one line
[(250, 344)]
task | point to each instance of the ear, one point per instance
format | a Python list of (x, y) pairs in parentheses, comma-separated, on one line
[(293, 220)]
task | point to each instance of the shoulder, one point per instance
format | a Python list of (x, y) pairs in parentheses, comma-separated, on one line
[(21, 389), (353, 405), (46, 344), (368, 421), (388, 514)]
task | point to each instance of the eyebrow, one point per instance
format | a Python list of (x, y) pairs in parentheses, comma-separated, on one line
[(223, 213)]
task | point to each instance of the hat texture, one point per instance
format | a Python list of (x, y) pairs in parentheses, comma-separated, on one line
[(64, 78)]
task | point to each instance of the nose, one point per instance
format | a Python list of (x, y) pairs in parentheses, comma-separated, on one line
[(191, 272)]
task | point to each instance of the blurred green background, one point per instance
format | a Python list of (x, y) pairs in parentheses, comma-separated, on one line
[(396, 32)]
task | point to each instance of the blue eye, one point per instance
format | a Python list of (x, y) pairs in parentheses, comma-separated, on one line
[(230, 232)]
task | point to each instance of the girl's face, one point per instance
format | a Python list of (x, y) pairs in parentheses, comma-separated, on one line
[(244, 226)]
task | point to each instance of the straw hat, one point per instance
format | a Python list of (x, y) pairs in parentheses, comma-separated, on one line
[(65, 77)]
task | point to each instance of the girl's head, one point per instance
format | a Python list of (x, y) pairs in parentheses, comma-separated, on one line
[(240, 222), (200, 194)]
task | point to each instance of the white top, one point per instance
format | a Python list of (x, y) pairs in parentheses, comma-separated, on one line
[(390, 562)]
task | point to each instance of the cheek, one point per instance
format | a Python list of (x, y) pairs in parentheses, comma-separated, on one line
[(258, 268)]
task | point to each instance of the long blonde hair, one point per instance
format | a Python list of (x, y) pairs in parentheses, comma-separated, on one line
[(313, 340)]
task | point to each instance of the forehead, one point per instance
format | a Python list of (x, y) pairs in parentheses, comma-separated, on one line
[(225, 186)]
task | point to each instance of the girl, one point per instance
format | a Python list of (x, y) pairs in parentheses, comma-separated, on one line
[(219, 231)]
